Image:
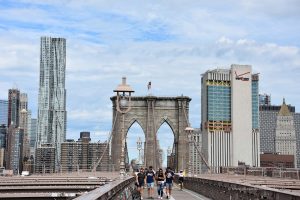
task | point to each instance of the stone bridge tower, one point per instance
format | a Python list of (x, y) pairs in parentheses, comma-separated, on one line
[(150, 112)]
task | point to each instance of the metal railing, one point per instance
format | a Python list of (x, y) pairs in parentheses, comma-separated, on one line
[(116, 190), (289, 173)]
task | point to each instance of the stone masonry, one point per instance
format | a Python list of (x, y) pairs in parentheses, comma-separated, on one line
[(150, 112)]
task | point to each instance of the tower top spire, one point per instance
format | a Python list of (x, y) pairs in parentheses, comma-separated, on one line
[(284, 110)]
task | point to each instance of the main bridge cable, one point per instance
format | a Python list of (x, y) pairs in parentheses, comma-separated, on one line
[(108, 142), (196, 146)]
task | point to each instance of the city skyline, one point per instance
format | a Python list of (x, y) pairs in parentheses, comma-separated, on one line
[(170, 45)]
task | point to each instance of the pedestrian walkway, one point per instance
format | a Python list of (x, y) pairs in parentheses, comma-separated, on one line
[(178, 194)]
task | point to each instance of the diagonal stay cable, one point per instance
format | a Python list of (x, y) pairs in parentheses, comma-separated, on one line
[(195, 145), (108, 142)]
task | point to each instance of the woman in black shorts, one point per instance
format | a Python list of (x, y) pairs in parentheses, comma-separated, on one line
[(140, 181)]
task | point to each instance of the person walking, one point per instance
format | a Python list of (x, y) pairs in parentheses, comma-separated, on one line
[(160, 177), (140, 181), (150, 174), (169, 181), (180, 179)]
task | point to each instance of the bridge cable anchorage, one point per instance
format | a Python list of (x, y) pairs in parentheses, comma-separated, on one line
[(195, 145), (108, 142)]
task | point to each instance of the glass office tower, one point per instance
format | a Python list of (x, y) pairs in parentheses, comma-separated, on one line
[(230, 116)]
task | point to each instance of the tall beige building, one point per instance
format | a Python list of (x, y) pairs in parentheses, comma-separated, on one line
[(23, 124), (195, 158), (285, 140)]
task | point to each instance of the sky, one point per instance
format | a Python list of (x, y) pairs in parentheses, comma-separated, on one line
[(170, 43)]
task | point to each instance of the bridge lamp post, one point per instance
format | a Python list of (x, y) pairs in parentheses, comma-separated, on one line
[(139, 148), (123, 104), (189, 131)]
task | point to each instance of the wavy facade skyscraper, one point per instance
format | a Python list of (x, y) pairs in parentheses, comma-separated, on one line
[(52, 113)]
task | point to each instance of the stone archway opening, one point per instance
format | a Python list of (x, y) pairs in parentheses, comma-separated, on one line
[(135, 152), (165, 143)]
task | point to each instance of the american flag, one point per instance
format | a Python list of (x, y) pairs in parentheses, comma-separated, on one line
[(149, 85)]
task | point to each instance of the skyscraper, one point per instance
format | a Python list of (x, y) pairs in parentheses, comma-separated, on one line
[(229, 116), (3, 133), (264, 100), (23, 101), (14, 149), (195, 158), (3, 112), (267, 121), (285, 132), (23, 124), (33, 134), (52, 94), (13, 107), (280, 130)]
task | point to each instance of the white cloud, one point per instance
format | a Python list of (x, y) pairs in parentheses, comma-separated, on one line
[(90, 115), (102, 46), (101, 133)]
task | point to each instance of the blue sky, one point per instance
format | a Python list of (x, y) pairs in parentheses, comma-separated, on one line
[(168, 42)]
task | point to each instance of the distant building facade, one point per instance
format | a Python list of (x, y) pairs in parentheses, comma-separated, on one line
[(3, 134), (3, 111), (171, 158), (277, 160), (45, 159), (52, 95), (14, 149), (280, 130), (297, 128), (33, 135), (264, 100), (195, 158), (83, 154), (285, 140), (13, 107), (230, 118)]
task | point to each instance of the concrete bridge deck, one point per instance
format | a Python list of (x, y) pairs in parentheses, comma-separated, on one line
[(215, 186)]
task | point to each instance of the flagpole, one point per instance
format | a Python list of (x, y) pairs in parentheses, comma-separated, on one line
[(149, 88)]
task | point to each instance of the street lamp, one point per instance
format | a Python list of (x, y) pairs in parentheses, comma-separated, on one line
[(189, 131), (139, 148), (123, 104)]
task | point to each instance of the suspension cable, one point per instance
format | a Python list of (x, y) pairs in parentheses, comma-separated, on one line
[(108, 142), (195, 145)]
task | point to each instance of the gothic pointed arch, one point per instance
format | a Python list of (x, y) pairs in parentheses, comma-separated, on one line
[(133, 121), (166, 120)]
